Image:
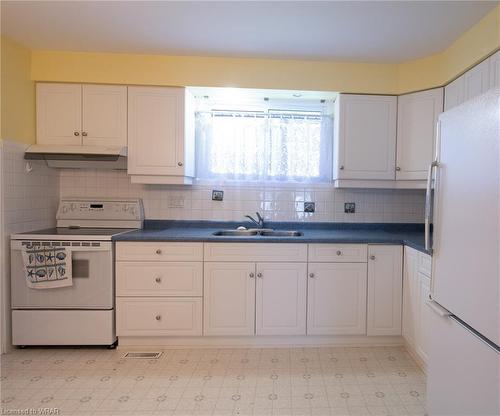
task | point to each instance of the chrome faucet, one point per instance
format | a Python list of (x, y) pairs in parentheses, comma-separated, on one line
[(259, 222)]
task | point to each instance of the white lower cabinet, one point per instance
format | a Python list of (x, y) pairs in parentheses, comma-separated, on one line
[(247, 289), (336, 299), (229, 298), (281, 299), (159, 289), (385, 289), (422, 324), (416, 290)]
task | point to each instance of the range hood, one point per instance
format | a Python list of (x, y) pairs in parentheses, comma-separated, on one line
[(79, 157)]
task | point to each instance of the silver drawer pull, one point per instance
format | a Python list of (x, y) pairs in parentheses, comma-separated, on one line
[(339, 253), (252, 275), (259, 275), (311, 275), (158, 317), (158, 251), (158, 279), (372, 257)]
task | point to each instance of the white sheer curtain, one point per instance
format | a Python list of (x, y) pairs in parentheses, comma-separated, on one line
[(263, 146)]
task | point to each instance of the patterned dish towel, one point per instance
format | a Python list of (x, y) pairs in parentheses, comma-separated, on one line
[(47, 267)]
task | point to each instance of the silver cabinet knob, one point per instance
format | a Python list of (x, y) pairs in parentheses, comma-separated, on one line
[(259, 275), (158, 251), (252, 275), (84, 133), (372, 257), (341, 167), (339, 253), (179, 163), (398, 168), (76, 133), (158, 317), (311, 275), (158, 279)]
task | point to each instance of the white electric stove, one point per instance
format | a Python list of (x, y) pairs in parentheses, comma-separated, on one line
[(81, 314)]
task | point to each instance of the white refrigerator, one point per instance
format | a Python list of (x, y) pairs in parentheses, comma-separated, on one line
[(464, 337)]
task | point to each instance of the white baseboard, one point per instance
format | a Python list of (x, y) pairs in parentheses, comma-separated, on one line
[(260, 341), (416, 357)]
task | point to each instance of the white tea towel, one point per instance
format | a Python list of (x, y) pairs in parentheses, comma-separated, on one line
[(47, 267)]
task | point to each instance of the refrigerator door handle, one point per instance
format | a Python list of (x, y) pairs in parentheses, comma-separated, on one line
[(428, 203), (473, 332), (437, 308)]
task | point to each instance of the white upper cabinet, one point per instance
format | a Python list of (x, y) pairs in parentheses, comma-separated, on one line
[(59, 114), (385, 288), (160, 135), (454, 93), (365, 137), (474, 82), (417, 119), (477, 80), (75, 114), (281, 299), (104, 115), (495, 70)]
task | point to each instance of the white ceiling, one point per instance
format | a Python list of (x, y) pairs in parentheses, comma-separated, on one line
[(369, 31)]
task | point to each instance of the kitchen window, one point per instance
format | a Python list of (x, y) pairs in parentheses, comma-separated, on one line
[(282, 143)]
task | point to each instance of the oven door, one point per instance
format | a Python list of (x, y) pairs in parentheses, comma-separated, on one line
[(93, 278)]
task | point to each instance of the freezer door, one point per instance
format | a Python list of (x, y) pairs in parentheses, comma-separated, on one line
[(466, 261), (463, 372)]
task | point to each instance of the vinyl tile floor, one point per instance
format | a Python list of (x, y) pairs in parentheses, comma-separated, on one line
[(238, 381)]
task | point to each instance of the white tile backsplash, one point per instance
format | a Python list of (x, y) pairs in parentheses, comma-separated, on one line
[(279, 203), (29, 202)]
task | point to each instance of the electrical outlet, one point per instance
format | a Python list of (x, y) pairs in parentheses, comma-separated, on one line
[(350, 207), (309, 207), (217, 195)]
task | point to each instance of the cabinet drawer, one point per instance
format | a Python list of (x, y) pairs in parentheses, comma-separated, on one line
[(338, 253), (159, 279), (425, 264), (158, 316), (256, 252), (150, 251)]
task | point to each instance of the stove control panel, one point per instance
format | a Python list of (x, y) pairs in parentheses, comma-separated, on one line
[(86, 212)]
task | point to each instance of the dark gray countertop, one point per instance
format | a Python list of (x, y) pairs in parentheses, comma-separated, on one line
[(159, 230)]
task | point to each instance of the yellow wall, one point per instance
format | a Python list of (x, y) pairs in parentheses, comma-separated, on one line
[(212, 71), (428, 72), (17, 93), (470, 48)]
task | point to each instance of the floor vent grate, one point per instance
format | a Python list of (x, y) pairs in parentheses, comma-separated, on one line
[(146, 355)]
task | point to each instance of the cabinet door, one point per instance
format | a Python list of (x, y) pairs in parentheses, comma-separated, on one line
[(229, 299), (156, 131), (104, 115), (495, 70), (59, 114), (423, 317), (281, 299), (365, 137), (454, 93), (385, 287), (336, 302), (477, 80), (417, 119), (410, 295)]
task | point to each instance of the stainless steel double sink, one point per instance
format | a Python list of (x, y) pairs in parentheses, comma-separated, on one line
[(258, 232)]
